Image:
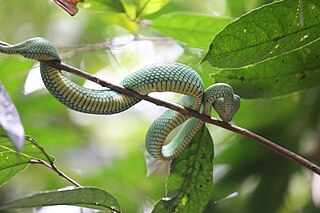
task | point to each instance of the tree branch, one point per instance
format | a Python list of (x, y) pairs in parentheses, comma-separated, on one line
[(257, 138)]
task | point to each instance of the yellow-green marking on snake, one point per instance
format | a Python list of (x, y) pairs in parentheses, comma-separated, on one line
[(174, 77)]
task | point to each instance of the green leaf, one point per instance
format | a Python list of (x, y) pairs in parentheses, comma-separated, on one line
[(138, 8), (31, 149), (88, 197), (112, 12), (295, 71), (122, 20), (196, 30), (10, 120), (103, 6), (11, 164), (190, 183), (265, 33), (146, 7)]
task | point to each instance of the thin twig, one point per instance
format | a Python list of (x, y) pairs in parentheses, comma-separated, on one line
[(51, 163), (55, 169), (257, 138)]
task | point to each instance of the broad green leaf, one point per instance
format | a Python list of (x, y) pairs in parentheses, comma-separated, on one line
[(31, 149), (197, 30), (146, 7), (11, 163), (10, 120), (112, 12), (190, 183), (285, 74), (265, 33), (137, 8), (103, 6), (88, 197)]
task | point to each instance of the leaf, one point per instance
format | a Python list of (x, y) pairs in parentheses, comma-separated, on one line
[(190, 183), (11, 164), (88, 197), (31, 149), (146, 7), (295, 71), (103, 6), (265, 33), (10, 120), (113, 12), (196, 30)]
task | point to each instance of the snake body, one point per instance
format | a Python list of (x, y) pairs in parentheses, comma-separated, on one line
[(174, 77)]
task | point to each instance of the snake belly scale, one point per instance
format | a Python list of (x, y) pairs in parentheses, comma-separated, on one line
[(174, 77)]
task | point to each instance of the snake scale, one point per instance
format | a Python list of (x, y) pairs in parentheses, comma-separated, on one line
[(174, 77)]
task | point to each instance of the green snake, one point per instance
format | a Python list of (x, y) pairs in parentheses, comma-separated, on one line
[(174, 77)]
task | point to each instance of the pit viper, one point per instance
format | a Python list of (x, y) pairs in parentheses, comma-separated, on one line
[(174, 77)]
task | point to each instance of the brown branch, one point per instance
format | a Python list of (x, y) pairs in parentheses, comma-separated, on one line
[(257, 138)]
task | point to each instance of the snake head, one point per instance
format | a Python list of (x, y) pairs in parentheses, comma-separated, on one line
[(40, 49), (225, 111)]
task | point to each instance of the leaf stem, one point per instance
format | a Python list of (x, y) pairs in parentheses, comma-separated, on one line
[(255, 137), (53, 167), (139, 11), (51, 164)]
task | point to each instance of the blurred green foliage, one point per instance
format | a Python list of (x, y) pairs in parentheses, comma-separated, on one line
[(108, 151)]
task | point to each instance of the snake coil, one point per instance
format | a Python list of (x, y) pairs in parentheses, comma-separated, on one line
[(174, 77)]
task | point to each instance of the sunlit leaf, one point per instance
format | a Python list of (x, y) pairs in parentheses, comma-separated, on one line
[(145, 7), (196, 30), (103, 6), (265, 33), (113, 12), (31, 149), (89, 197), (11, 164), (10, 120), (137, 8), (122, 20), (190, 183)]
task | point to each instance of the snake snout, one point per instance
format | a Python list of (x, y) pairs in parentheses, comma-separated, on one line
[(226, 117), (227, 109)]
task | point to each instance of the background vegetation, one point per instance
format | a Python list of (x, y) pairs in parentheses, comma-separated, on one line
[(280, 97)]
